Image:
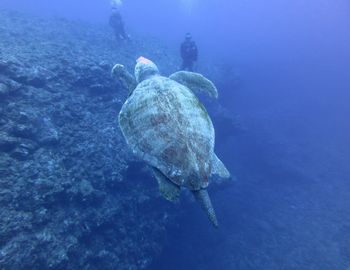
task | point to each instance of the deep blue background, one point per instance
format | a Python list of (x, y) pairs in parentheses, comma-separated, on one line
[(291, 160)]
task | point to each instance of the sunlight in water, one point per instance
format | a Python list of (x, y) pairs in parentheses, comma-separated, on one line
[(116, 3), (188, 5)]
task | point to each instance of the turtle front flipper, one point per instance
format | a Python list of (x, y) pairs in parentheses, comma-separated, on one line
[(124, 77), (195, 82), (168, 189), (203, 199)]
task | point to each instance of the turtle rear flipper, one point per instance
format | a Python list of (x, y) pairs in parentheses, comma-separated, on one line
[(168, 189), (195, 82), (203, 199), (219, 168)]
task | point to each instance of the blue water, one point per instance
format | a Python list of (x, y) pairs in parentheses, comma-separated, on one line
[(289, 207)]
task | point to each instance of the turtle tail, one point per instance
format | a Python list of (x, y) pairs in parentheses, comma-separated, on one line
[(203, 199)]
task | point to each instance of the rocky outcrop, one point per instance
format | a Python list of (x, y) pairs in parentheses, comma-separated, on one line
[(69, 193)]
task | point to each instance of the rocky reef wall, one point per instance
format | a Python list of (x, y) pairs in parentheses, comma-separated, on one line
[(70, 194)]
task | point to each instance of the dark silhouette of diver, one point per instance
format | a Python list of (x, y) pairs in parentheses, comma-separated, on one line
[(189, 53), (116, 22)]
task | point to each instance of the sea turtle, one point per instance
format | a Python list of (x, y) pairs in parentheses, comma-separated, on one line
[(165, 124)]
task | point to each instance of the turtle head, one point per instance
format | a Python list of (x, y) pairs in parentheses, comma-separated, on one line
[(145, 69)]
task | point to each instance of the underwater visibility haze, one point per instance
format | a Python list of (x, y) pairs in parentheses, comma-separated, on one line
[(74, 194)]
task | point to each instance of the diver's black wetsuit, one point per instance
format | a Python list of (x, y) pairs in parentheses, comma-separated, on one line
[(116, 22), (189, 54)]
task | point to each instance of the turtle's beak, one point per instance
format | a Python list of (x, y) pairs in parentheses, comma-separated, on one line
[(203, 199)]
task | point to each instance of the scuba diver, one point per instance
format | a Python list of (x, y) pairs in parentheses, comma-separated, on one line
[(116, 21), (189, 53)]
